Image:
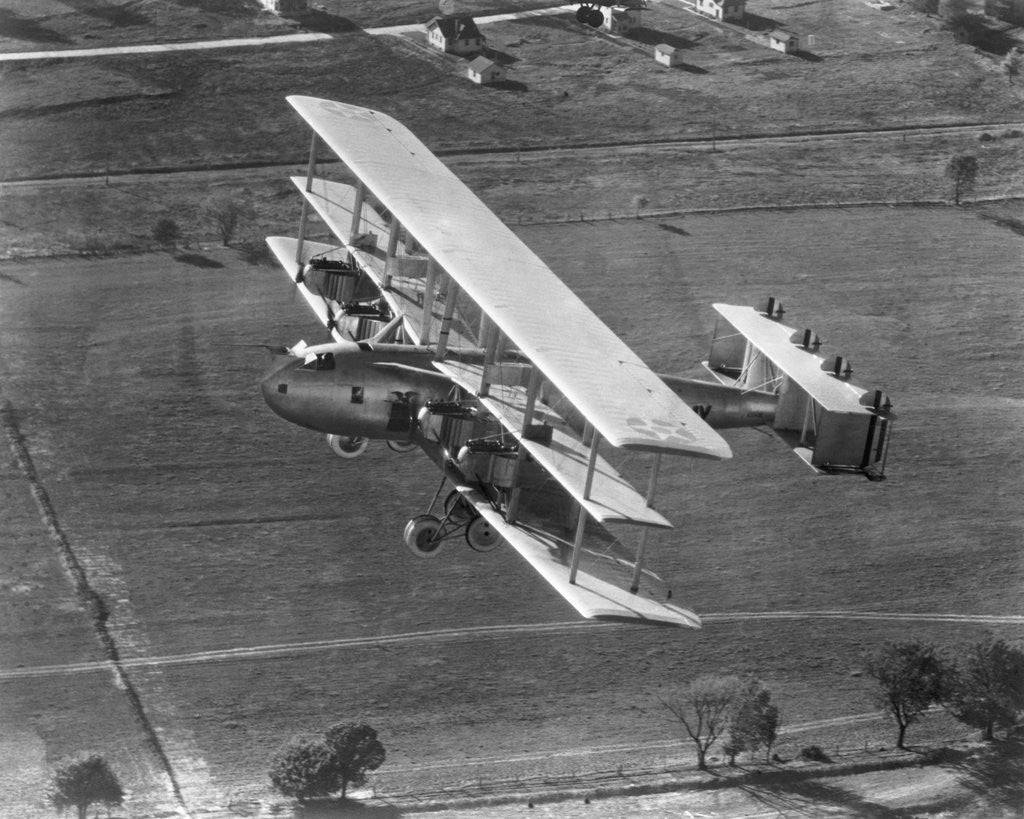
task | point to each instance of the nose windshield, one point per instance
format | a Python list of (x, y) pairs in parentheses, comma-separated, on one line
[(320, 361)]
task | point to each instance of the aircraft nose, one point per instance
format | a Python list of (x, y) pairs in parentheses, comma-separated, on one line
[(275, 388)]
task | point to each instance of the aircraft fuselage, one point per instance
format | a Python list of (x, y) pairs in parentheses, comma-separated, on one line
[(376, 391)]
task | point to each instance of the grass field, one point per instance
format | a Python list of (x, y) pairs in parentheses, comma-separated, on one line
[(209, 526), (269, 576)]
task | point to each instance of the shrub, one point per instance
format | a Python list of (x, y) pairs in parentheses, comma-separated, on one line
[(813, 753)]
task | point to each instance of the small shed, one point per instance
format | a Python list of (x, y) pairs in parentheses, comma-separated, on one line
[(785, 41), (621, 19), (483, 71), (455, 35), (666, 54)]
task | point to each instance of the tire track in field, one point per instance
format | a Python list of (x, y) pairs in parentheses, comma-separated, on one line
[(477, 633), (667, 745), (85, 570)]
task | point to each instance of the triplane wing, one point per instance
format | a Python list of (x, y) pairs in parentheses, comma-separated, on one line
[(451, 336)]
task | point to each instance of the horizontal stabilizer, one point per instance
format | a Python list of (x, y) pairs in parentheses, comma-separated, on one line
[(832, 424)]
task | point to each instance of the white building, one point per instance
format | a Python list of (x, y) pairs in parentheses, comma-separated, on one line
[(729, 10), (785, 41), (621, 19), (455, 35), (483, 71), (666, 54), (285, 6)]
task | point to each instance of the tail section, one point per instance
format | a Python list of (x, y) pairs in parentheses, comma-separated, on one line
[(833, 425)]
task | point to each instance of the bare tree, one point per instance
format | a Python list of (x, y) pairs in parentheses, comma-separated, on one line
[(1012, 63), (963, 171), (226, 212), (704, 708)]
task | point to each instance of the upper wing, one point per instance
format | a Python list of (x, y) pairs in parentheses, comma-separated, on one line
[(605, 380)]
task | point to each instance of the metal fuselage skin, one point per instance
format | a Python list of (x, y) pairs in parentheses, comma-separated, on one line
[(375, 391), (357, 390)]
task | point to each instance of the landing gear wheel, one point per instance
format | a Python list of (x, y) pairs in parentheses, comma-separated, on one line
[(595, 19), (346, 446), (583, 14), (401, 446), (421, 536), (456, 509), (481, 536)]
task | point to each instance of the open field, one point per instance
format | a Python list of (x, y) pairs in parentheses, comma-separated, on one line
[(207, 525), (254, 586)]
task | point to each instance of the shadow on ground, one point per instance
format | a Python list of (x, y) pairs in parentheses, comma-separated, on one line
[(344, 809), (198, 260)]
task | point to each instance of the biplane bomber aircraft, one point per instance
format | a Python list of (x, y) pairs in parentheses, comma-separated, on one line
[(451, 336)]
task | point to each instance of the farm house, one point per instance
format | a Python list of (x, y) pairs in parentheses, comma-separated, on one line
[(285, 6), (723, 9), (483, 71), (620, 19), (455, 35)]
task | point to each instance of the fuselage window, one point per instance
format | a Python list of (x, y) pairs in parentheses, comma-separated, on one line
[(357, 395)]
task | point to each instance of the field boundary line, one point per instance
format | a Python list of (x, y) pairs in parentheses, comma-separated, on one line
[(94, 603), (275, 651)]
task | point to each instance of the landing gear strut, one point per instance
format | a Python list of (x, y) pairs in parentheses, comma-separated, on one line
[(425, 534)]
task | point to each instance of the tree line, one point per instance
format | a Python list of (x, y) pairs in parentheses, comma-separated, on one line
[(981, 685)]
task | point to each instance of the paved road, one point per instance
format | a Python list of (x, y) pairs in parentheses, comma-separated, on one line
[(242, 42), (156, 48)]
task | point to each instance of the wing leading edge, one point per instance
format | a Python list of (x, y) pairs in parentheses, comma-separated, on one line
[(599, 374)]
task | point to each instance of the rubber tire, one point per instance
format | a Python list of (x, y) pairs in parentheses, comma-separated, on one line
[(419, 536), (481, 536), (345, 446)]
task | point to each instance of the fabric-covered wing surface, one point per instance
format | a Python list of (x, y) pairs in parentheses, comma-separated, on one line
[(626, 402)]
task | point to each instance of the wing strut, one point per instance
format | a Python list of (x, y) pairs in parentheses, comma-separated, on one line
[(357, 211), (652, 485), (531, 403), (394, 231), (451, 294), (429, 291), (581, 524), (304, 214)]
